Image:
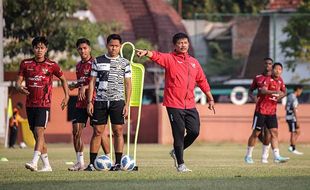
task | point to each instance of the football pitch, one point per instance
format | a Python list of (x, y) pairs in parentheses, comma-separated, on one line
[(215, 166)]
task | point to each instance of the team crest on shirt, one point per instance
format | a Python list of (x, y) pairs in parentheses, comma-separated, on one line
[(193, 65), (44, 71)]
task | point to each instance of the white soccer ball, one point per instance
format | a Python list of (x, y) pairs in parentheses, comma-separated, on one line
[(127, 163), (22, 145), (103, 162)]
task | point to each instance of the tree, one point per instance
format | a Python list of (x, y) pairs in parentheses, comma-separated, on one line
[(297, 45), (190, 7), (25, 19)]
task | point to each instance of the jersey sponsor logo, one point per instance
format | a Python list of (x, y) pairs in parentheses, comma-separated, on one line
[(180, 62), (193, 65), (103, 66), (36, 78)]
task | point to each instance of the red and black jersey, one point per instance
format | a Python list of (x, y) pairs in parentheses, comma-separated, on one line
[(267, 104), (83, 70), (258, 82), (39, 80)]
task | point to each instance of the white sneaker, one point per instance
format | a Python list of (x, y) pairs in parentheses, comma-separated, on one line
[(77, 167), (31, 166), (265, 160), (172, 154), (297, 152), (46, 169), (183, 168), (290, 149)]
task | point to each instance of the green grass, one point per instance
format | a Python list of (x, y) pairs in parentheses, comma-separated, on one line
[(215, 166)]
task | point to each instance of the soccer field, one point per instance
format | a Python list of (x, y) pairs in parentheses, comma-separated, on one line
[(215, 166)]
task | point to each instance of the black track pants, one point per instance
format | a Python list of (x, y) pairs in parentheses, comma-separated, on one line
[(181, 119)]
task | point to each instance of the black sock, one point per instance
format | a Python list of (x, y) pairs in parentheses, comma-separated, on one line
[(293, 147), (118, 157), (93, 157)]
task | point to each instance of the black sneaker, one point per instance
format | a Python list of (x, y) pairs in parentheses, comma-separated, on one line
[(116, 167), (90, 168)]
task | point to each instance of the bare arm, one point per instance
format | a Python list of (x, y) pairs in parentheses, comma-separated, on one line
[(19, 87), (91, 88), (65, 88), (128, 95), (210, 101)]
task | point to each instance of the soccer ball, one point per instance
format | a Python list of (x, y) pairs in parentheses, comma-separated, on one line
[(22, 145), (127, 163), (103, 162)]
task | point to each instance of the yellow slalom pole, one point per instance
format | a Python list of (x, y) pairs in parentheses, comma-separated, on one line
[(129, 115)]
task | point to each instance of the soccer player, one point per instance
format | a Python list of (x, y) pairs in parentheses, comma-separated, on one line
[(257, 84), (273, 90), (292, 119), (38, 74), (182, 73), (108, 75), (83, 69)]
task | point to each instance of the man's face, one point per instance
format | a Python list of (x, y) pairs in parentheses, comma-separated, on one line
[(277, 71), (114, 47), (84, 51), (268, 65), (182, 45), (39, 51), (299, 91)]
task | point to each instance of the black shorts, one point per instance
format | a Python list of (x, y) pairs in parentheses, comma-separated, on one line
[(80, 116), (260, 121), (37, 117), (255, 117), (292, 125), (103, 109)]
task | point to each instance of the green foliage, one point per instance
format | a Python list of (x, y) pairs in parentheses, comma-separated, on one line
[(297, 45), (25, 19), (221, 63), (139, 44), (189, 8)]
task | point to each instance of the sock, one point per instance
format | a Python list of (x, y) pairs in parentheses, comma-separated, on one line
[(80, 157), (45, 161), (293, 147), (118, 157), (265, 153), (36, 157), (108, 155), (249, 151), (93, 157), (276, 153)]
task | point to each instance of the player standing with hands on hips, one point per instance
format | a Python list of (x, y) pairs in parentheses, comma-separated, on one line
[(182, 73)]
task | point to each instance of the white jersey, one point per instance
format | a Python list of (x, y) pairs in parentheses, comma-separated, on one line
[(291, 103), (110, 74)]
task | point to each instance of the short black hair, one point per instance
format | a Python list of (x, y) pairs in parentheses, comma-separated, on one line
[(82, 41), (179, 36), (114, 37), (297, 87), (277, 63), (268, 59), (39, 39)]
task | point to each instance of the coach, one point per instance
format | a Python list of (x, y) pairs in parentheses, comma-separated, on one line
[(182, 73)]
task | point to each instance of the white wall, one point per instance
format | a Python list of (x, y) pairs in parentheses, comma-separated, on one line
[(3, 108)]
